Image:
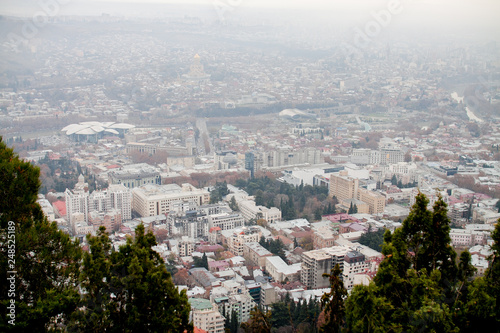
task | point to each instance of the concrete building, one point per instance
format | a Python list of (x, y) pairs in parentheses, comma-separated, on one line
[(239, 237), (374, 200), (324, 236), (354, 263), (250, 210), (468, 238), (135, 175), (391, 155), (226, 221), (362, 207), (76, 202), (150, 200), (342, 186), (191, 223), (111, 219), (315, 263), (206, 316), (185, 246), (267, 294), (116, 196), (364, 156), (256, 254), (280, 271)]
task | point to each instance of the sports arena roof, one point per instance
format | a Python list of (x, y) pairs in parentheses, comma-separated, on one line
[(94, 127)]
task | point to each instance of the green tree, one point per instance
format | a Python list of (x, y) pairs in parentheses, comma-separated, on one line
[(259, 322), (129, 290), (418, 281), (373, 239), (233, 205), (333, 302), (44, 258), (280, 315), (367, 312)]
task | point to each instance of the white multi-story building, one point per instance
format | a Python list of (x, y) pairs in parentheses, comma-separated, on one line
[(354, 263), (232, 296), (151, 200), (250, 210), (256, 254), (226, 221), (116, 196), (364, 156), (76, 202), (280, 271), (391, 155), (206, 316), (186, 246), (468, 238)]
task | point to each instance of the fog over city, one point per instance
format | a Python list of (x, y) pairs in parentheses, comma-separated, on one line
[(264, 142)]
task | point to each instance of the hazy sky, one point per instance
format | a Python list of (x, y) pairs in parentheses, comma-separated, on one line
[(462, 14)]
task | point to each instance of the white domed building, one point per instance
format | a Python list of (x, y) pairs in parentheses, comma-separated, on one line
[(92, 131)]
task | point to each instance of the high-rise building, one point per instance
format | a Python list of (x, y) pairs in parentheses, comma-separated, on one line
[(342, 186), (250, 163), (76, 202), (116, 196), (315, 263)]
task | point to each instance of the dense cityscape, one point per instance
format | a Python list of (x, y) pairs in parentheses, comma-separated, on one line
[(256, 159)]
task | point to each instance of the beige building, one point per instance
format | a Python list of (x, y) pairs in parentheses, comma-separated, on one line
[(345, 188), (205, 315), (152, 200), (342, 186), (240, 237), (250, 210), (256, 254), (374, 200), (362, 207), (111, 220)]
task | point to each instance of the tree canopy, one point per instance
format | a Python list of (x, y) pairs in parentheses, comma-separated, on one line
[(419, 287), (44, 259), (129, 290)]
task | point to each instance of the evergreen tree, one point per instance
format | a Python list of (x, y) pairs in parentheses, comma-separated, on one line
[(233, 324), (44, 259), (418, 286), (204, 260), (259, 322), (333, 302), (129, 290), (233, 205), (280, 315)]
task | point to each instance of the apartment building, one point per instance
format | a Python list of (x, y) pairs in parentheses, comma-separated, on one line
[(315, 263), (206, 316), (239, 237), (354, 263), (151, 200), (256, 254), (343, 186), (374, 200)]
